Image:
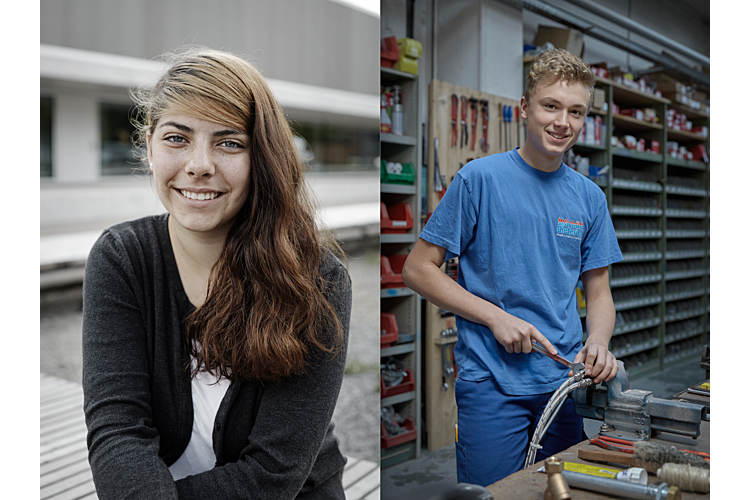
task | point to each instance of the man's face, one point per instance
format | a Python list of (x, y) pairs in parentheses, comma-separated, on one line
[(555, 115)]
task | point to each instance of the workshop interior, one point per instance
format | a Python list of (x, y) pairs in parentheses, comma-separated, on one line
[(452, 74)]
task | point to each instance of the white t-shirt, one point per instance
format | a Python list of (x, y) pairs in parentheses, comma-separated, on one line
[(199, 455)]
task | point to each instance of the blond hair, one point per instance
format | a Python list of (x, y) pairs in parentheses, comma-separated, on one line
[(556, 65)]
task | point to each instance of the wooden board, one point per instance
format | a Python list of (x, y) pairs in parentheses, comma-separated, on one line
[(529, 484), (440, 408), (64, 470)]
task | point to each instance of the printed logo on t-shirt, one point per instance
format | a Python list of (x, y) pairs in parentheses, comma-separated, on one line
[(569, 228)]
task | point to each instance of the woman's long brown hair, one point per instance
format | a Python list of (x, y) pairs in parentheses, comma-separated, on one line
[(266, 305)]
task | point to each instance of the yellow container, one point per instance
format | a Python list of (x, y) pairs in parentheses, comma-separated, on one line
[(409, 47), (406, 64)]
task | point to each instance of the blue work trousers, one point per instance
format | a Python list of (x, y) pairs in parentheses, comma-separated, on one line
[(494, 431)]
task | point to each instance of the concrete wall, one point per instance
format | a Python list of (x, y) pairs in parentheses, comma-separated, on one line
[(317, 42)]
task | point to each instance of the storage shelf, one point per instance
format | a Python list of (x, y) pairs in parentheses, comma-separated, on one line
[(641, 256), (397, 349), (398, 238), (688, 111), (634, 280), (640, 302), (387, 293), (676, 233), (390, 74), (643, 346), (677, 135), (643, 370), (678, 162), (670, 297), (676, 337), (625, 210), (389, 188), (684, 315), (638, 155), (685, 214), (636, 185), (628, 234), (673, 359), (685, 274), (630, 123), (701, 193), (626, 97), (398, 398), (685, 254), (402, 140), (636, 325), (589, 146)]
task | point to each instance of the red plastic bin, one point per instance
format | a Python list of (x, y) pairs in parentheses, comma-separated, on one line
[(406, 385), (410, 435), (388, 329), (390, 271), (395, 219)]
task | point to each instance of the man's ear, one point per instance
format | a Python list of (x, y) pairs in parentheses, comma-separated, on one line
[(524, 107)]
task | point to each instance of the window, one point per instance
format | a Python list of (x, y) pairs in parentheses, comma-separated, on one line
[(45, 141), (334, 147), (116, 131)]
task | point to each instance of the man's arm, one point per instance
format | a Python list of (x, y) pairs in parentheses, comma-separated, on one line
[(422, 274), (600, 321)]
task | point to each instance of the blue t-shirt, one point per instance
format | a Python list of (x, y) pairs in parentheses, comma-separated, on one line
[(523, 237)]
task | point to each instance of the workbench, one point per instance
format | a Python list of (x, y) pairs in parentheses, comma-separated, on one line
[(529, 484)]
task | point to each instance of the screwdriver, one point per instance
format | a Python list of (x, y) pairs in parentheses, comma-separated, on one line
[(574, 367)]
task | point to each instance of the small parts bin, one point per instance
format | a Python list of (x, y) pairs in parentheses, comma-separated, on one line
[(406, 385), (390, 271), (396, 218), (388, 329), (409, 435), (397, 173)]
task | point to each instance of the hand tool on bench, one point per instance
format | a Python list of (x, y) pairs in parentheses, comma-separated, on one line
[(454, 119), (437, 182), (473, 104), (464, 127)]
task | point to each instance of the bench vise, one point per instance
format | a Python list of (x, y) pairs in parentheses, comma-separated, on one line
[(633, 414)]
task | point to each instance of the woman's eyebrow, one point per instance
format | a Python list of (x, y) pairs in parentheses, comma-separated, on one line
[(178, 126), (230, 131)]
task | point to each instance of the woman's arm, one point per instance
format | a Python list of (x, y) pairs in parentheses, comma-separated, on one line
[(290, 424), (122, 440)]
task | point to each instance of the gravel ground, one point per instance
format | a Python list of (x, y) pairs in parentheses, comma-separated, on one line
[(357, 413)]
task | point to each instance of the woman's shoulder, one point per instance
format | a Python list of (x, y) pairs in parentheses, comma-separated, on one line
[(334, 272), (132, 239)]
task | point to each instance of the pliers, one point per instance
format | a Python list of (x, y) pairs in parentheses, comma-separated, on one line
[(625, 446)]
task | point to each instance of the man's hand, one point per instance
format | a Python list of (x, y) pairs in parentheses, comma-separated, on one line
[(601, 364), (516, 334)]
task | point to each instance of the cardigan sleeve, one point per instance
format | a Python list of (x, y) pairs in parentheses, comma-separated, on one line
[(292, 419), (122, 440)]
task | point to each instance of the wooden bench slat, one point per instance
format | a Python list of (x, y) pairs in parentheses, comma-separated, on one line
[(365, 485), (67, 484), (375, 495), (81, 491), (60, 474), (77, 456), (65, 439), (359, 470), (62, 423), (61, 452)]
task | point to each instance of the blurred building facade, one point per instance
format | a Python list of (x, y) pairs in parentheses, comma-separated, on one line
[(320, 57)]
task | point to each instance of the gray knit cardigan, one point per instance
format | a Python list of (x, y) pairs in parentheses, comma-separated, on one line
[(271, 440)]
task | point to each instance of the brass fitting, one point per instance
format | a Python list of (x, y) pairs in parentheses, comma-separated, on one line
[(557, 486), (674, 493)]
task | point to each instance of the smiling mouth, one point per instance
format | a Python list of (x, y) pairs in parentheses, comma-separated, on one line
[(558, 137), (200, 196)]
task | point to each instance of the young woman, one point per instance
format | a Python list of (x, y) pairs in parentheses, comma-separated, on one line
[(214, 336)]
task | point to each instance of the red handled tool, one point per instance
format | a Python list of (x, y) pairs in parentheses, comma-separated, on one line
[(454, 119), (473, 103), (464, 128)]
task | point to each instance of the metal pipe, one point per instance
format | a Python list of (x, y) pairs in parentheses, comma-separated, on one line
[(620, 488), (591, 29), (641, 30)]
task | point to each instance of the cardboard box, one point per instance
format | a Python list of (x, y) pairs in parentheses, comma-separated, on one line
[(562, 38), (599, 97)]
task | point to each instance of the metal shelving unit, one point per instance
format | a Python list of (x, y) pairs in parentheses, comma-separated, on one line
[(403, 302), (660, 209)]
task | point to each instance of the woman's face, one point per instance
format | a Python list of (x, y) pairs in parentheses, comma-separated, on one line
[(201, 171)]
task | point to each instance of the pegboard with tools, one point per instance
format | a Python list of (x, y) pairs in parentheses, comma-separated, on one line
[(467, 124), (464, 124)]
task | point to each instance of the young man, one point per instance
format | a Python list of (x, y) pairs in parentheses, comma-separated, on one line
[(525, 227)]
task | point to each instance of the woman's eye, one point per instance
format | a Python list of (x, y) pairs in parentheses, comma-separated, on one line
[(231, 144), (175, 138)]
